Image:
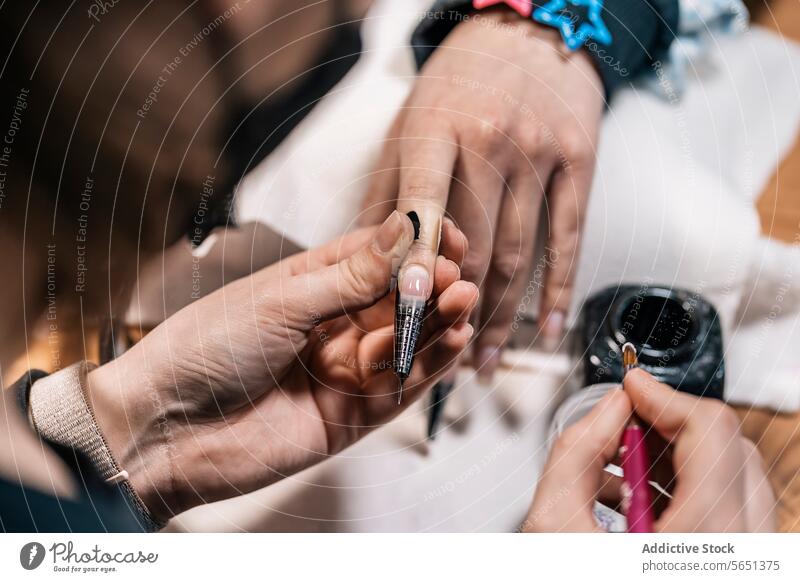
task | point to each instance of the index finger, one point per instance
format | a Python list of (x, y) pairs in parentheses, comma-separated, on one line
[(427, 157)]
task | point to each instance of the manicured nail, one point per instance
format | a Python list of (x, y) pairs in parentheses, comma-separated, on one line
[(486, 361), (470, 330), (553, 329), (415, 282), (464, 328), (389, 232)]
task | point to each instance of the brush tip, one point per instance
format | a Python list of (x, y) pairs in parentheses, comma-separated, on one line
[(628, 355)]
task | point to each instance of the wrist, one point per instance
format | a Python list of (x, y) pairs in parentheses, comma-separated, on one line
[(532, 41), (504, 19), (523, 34), (127, 412)]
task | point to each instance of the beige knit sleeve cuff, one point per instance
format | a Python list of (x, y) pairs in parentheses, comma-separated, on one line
[(59, 411)]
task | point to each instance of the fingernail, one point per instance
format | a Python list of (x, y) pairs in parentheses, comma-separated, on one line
[(388, 233), (553, 329), (470, 330), (467, 327), (415, 282), (486, 361), (458, 268)]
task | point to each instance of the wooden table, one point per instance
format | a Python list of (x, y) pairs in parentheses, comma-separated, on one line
[(778, 436)]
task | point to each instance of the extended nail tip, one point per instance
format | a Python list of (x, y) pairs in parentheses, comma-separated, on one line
[(553, 330), (487, 362)]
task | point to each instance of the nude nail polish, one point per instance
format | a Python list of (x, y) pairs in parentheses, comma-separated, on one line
[(553, 329), (415, 283)]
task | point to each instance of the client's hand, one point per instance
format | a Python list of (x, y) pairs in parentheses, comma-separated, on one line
[(277, 371), (719, 480), (500, 119)]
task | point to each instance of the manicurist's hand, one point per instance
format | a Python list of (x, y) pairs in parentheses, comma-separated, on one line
[(573, 475), (718, 479), (276, 371), (501, 118)]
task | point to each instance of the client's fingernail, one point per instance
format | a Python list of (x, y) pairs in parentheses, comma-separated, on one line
[(388, 233), (486, 361), (553, 329), (470, 331), (415, 282)]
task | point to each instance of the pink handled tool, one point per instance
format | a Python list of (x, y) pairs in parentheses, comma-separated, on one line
[(635, 466), (636, 489)]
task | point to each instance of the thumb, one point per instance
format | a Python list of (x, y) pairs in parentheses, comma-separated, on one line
[(353, 284)]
